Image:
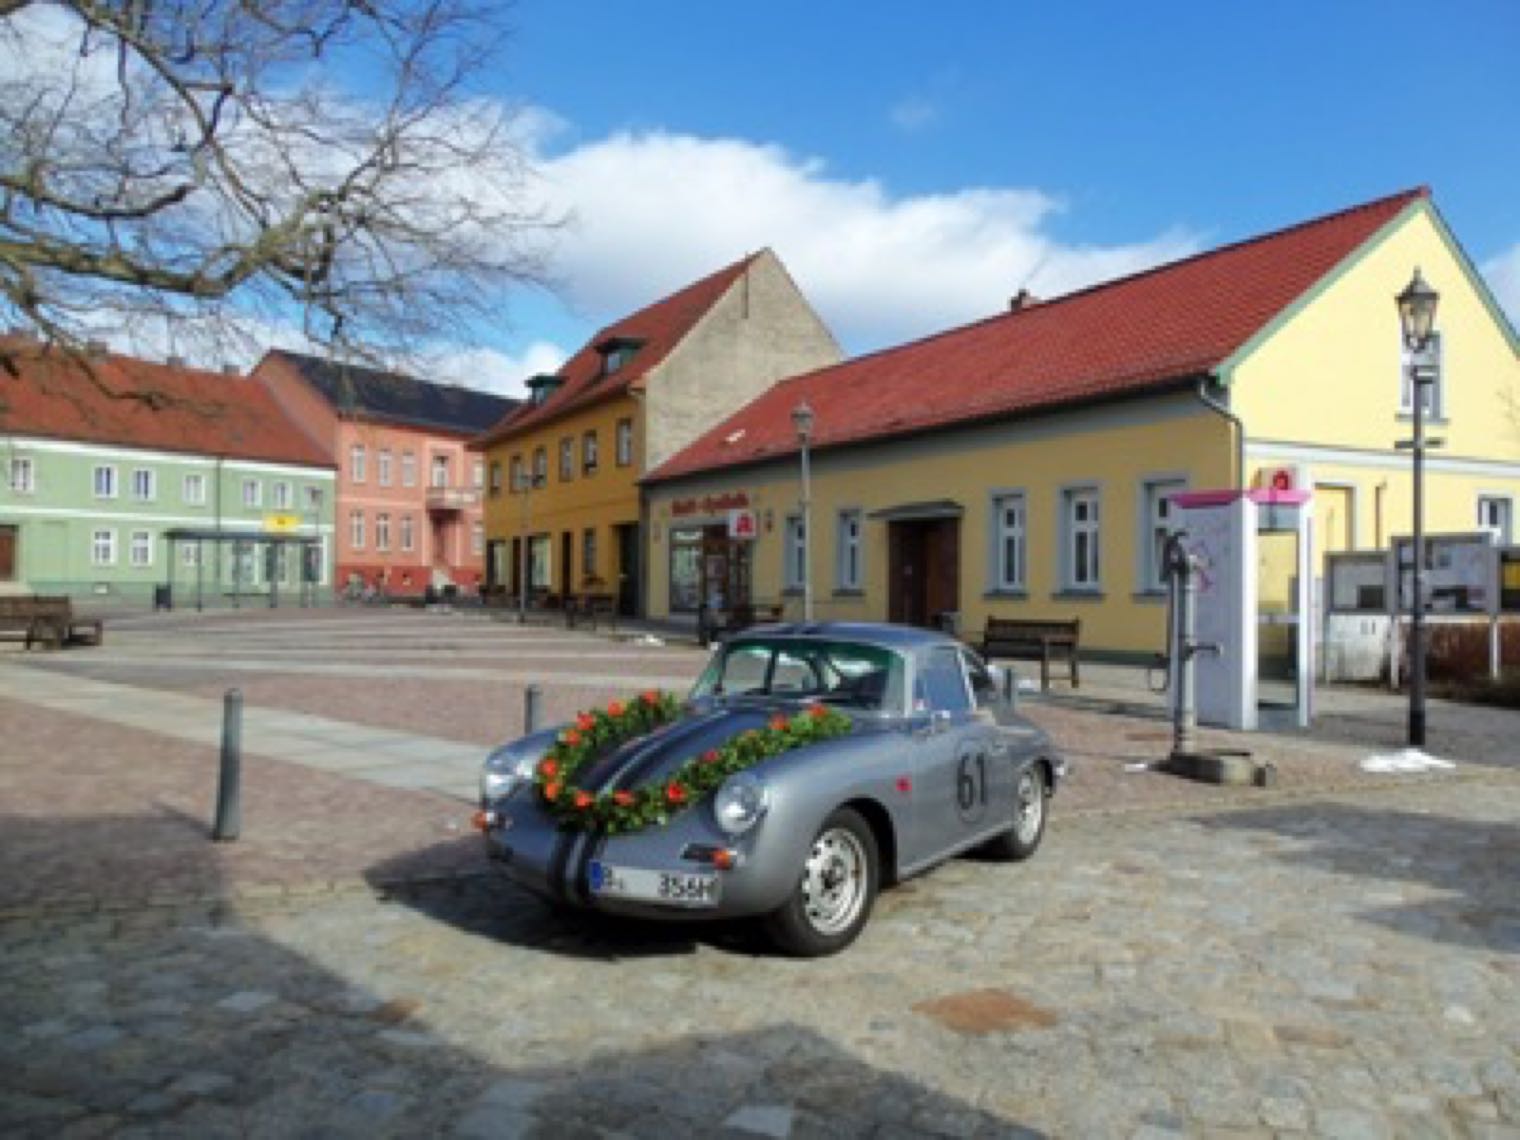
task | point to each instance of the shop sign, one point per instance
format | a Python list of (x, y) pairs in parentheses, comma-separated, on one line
[(743, 526), (281, 524), (710, 504)]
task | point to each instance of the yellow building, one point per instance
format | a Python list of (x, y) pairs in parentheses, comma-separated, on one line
[(562, 470), (1021, 466)]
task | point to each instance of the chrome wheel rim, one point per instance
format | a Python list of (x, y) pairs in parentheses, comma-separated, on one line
[(1030, 808), (834, 881)]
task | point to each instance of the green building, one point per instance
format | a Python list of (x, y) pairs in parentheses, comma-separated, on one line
[(120, 477)]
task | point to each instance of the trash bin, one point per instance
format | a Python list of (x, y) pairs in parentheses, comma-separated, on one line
[(163, 597)]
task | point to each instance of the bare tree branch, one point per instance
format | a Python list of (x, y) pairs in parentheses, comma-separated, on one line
[(189, 163)]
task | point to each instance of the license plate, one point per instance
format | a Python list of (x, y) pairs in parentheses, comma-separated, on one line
[(668, 887)]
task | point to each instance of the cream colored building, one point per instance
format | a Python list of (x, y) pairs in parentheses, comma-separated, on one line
[(1021, 466)]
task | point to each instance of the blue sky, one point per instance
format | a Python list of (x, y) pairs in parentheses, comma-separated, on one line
[(914, 165)]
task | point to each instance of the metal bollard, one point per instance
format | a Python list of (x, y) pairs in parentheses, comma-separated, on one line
[(533, 702), (229, 791)]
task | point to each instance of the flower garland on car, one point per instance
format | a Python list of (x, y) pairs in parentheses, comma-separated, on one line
[(598, 731)]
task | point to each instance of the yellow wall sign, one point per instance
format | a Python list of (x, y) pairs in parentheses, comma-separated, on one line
[(282, 524)]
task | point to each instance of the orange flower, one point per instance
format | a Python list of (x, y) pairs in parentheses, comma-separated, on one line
[(622, 798), (585, 722), (551, 791), (651, 697), (675, 793), (548, 769), (615, 708), (818, 712), (570, 737), (583, 800), (778, 723), (711, 756)]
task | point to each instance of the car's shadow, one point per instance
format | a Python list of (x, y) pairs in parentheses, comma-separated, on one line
[(479, 900)]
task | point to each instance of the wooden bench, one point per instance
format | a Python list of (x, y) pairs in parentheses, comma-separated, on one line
[(47, 621), (716, 623), (1029, 639)]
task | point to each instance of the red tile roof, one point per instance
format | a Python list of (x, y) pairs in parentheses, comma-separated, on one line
[(188, 410), (1149, 330), (660, 326)]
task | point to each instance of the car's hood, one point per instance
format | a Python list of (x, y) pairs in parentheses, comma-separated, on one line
[(658, 755)]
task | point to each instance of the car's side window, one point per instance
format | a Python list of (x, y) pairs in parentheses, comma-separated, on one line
[(744, 669), (983, 687), (944, 684), (794, 674)]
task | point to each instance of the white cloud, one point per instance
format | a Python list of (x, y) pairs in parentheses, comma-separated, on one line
[(913, 114), (1503, 274), (493, 371), (655, 210)]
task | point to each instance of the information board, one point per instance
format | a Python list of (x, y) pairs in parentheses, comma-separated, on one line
[(1459, 572), (1358, 582), (1509, 579)]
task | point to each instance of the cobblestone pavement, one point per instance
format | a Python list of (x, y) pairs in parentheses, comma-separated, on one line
[(1347, 966), (1339, 957)]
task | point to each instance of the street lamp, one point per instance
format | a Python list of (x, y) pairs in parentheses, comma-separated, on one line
[(802, 420), (1417, 315)]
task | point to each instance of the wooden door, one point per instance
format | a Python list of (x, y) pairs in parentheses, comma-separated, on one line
[(8, 548)]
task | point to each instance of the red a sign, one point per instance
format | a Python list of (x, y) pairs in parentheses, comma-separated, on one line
[(742, 525)]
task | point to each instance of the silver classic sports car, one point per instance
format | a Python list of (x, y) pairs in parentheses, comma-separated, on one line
[(810, 765)]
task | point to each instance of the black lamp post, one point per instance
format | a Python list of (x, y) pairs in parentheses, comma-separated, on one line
[(802, 420), (1417, 315)]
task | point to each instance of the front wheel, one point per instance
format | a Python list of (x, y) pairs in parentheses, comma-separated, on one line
[(1023, 839), (834, 896)]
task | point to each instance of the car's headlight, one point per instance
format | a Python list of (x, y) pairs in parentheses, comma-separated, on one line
[(504, 772), (740, 802)]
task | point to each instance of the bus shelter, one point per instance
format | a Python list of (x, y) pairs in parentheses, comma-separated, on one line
[(253, 566)]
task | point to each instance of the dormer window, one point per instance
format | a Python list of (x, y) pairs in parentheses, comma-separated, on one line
[(542, 386), (617, 351)]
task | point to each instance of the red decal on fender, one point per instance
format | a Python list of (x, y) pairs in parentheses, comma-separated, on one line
[(904, 784)]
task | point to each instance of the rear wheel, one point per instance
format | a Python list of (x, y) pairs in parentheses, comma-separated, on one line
[(833, 898), (1023, 839)]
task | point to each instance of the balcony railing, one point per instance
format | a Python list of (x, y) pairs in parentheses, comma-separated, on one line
[(452, 498)]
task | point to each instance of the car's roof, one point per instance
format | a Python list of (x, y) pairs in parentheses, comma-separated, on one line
[(899, 637)]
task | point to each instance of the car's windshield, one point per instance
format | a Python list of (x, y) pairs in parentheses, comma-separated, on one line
[(843, 673)]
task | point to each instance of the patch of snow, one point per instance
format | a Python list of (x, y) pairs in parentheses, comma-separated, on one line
[(1405, 760)]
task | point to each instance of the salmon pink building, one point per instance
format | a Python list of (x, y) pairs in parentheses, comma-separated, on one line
[(409, 493)]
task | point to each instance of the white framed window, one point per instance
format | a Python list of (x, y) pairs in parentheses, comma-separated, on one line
[(495, 488), (478, 538), (144, 485), (194, 489), (588, 552), (190, 554), (103, 548), (1497, 513), (140, 552), (566, 459), (253, 493), (478, 474), (408, 536), (540, 467), (383, 467), (847, 563), (794, 551), (1429, 366), (440, 467), (23, 475), (408, 469), (356, 530), (314, 499), (1158, 519), (357, 465), (105, 483), (279, 495), (382, 531), (1082, 540), (589, 450), (1010, 541), (515, 482), (624, 443)]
